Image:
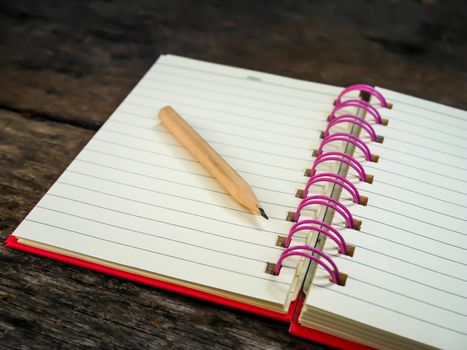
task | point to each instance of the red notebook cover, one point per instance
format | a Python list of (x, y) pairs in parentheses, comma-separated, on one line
[(324, 338), (291, 316)]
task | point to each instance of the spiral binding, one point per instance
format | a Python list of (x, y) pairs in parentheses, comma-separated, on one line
[(338, 207)]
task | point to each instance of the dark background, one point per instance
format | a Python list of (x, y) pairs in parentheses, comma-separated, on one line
[(65, 66)]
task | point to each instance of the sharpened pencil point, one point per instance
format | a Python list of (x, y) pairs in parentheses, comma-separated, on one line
[(263, 214)]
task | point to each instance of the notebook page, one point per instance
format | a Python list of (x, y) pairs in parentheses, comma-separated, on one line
[(135, 197), (409, 275)]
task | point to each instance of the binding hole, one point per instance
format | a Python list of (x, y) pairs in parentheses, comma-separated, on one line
[(350, 250), (280, 242), (369, 178), (290, 216), (379, 139), (374, 158), (365, 96), (270, 268), (364, 200), (384, 122), (357, 224), (299, 194), (342, 280), (307, 172)]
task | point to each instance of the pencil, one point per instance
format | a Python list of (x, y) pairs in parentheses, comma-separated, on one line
[(227, 177)]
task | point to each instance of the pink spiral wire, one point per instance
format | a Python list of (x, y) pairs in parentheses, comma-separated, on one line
[(335, 179), (340, 157), (359, 104), (366, 88), (337, 206), (353, 119), (334, 274), (329, 202), (357, 142), (317, 225)]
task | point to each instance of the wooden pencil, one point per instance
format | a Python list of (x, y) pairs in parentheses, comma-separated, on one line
[(227, 177)]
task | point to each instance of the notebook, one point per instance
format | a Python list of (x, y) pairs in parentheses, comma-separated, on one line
[(366, 242)]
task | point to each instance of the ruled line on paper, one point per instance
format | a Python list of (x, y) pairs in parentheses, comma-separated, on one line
[(310, 138), (420, 220), (243, 78), (171, 239), (422, 126), (205, 175), (317, 139), (168, 193), (399, 200), (408, 296), (165, 167), (421, 193), (369, 191), (210, 141), (405, 131), (196, 215), (270, 112), (154, 252), (239, 171), (434, 160), (198, 127), (237, 115), (421, 146), (409, 231), (243, 87), (178, 183), (417, 180), (431, 110), (209, 100), (280, 205), (172, 195), (388, 308), (270, 153), (162, 207), (307, 109), (275, 178), (273, 101), (409, 263), (214, 120), (399, 102)]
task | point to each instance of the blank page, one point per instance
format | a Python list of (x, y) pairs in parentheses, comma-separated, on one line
[(135, 197), (409, 275)]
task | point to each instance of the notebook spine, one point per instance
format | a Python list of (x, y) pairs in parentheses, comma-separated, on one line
[(347, 161)]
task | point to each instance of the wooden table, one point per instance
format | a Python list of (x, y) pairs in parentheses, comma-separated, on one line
[(64, 67)]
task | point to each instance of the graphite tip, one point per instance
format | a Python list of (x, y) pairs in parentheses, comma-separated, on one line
[(263, 214)]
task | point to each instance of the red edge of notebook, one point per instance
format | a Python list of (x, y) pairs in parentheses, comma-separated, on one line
[(314, 335), (12, 242), (291, 316)]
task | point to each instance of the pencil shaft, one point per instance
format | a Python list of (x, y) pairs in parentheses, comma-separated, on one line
[(227, 177)]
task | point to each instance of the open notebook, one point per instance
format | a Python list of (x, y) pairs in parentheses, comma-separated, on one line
[(135, 204)]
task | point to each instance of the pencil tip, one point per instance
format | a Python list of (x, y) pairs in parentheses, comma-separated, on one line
[(263, 214)]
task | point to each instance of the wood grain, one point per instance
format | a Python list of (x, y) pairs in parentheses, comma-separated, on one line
[(65, 66)]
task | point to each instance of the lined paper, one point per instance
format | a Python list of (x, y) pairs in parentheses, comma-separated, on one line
[(135, 197), (409, 272)]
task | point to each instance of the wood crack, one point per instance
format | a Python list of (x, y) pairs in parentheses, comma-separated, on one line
[(43, 116)]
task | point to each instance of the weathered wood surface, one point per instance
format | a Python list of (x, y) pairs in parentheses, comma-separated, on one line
[(65, 66)]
